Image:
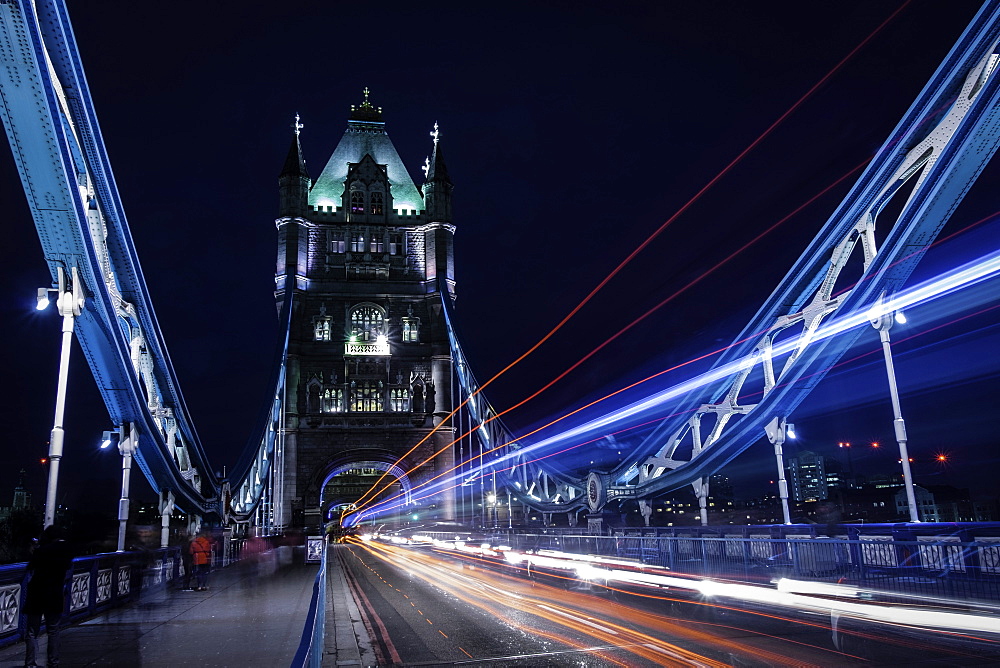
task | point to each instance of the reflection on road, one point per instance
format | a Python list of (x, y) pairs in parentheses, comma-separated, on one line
[(582, 617)]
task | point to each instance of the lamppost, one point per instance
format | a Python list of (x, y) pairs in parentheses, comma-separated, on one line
[(127, 446), (778, 431), (70, 304), (882, 321)]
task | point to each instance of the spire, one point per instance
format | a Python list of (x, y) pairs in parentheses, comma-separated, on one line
[(294, 164), (294, 182), (437, 185), (365, 112), (435, 168)]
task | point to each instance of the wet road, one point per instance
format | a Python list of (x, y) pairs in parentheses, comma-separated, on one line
[(424, 606)]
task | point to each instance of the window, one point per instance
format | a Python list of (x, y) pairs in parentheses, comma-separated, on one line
[(399, 399), (321, 327), (395, 244), (366, 396), (357, 202), (367, 322), (337, 244), (377, 245), (358, 242), (377, 204), (411, 330), (333, 400)]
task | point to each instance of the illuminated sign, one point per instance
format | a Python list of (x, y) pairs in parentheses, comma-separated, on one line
[(366, 348)]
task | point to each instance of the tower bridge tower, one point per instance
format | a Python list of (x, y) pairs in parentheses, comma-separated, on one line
[(363, 254)]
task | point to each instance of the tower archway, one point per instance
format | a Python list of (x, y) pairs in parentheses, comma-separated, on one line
[(346, 482)]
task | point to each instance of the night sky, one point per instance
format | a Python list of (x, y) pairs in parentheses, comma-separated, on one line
[(571, 132)]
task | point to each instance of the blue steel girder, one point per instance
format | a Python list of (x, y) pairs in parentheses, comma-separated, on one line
[(50, 121), (532, 482), (941, 145)]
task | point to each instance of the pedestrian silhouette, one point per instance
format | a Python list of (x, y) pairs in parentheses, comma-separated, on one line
[(45, 594)]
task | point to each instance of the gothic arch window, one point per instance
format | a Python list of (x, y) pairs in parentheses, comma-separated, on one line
[(377, 205), (367, 322), (357, 202), (312, 396), (377, 244), (366, 396), (411, 330), (321, 328), (333, 400), (321, 325), (399, 399)]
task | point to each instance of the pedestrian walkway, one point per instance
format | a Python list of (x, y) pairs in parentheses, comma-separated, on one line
[(348, 637), (252, 615)]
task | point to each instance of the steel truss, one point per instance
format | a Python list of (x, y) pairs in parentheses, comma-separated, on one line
[(66, 174), (931, 159)]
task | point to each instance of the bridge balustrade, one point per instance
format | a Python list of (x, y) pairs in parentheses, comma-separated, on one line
[(942, 567), (93, 585)]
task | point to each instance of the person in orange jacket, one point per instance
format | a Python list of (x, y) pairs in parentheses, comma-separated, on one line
[(201, 558)]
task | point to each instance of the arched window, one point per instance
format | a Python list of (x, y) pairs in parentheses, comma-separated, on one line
[(399, 399), (366, 396), (367, 322), (333, 400), (377, 208), (411, 330), (357, 202), (321, 328)]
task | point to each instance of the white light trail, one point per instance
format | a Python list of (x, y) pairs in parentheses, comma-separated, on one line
[(962, 277)]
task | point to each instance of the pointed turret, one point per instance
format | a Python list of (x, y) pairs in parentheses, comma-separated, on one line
[(294, 182), (437, 186)]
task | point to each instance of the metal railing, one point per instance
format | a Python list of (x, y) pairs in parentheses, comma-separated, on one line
[(310, 651), (93, 585), (942, 568)]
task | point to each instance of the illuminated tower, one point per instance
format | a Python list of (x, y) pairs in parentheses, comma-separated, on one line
[(365, 256)]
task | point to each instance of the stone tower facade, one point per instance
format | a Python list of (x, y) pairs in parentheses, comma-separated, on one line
[(364, 256)]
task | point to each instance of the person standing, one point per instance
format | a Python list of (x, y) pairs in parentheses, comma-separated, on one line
[(45, 595), (201, 557), (186, 562)]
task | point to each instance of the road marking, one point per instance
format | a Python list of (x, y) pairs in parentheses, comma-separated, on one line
[(578, 619)]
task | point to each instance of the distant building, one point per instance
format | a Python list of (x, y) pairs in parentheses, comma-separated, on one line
[(807, 477), (22, 498)]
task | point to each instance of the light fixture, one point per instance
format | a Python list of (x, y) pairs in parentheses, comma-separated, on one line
[(900, 317), (43, 299), (110, 438), (790, 431)]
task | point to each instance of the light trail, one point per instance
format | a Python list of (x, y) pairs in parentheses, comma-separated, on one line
[(478, 469), (697, 196), (360, 506), (606, 622), (963, 277)]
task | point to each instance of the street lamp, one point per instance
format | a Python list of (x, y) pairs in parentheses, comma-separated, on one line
[(778, 431), (882, 321), (69, 302)]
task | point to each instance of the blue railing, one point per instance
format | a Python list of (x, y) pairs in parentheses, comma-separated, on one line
[(310, 652), (939, 567), (93, 585)]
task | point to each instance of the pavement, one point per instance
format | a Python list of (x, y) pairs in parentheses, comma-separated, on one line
[(252, 615)]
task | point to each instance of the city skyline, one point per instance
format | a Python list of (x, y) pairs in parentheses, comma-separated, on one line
[(533, 189)]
